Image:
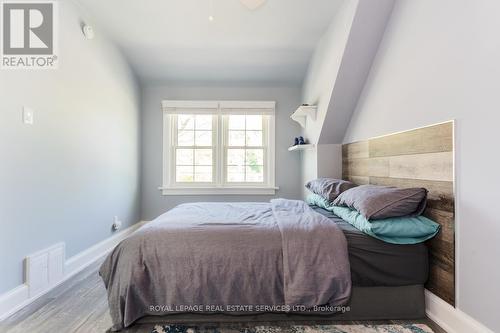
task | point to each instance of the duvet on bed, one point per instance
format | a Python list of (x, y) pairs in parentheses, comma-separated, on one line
[(211, 256)]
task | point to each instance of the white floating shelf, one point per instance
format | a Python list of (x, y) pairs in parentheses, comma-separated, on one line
[(301, 147), (303, 112)]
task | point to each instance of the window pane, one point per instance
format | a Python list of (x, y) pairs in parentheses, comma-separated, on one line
[(254, 157), (203, 138), (185, 121), (236, 138), (203, 122), (203, 174), (254, 138), (185, 138), (254, 122), (237, 122), (184, 174), (236, 157), (184, 157), (236, 174), (203, 157), (255, 173)]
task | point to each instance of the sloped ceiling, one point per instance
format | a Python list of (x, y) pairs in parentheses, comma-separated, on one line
[(173, 40), (341, 65), (366, 33)]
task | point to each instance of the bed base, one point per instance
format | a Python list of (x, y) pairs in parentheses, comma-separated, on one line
[(367, 303)]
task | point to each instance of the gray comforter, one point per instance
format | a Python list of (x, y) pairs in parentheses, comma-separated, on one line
[(222, 256)]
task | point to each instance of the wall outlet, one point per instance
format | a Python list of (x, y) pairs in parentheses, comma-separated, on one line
[(28, 115), (117, 224)]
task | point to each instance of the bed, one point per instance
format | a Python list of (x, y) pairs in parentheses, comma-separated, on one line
[(286, 253), (220, 257), (377, 263), (202, 258)]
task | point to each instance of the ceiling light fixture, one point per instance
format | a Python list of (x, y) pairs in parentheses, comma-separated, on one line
[(211, 10), (252, 4)]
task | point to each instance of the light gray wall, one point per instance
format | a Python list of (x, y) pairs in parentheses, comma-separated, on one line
[(66, 176), (318, 86), (365, 33), (287, 163), (335, 79), (439, 60), (324, 67)]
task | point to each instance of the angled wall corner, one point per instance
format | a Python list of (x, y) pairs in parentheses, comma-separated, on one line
[(340, 66), (324, 67), (321, 161), (335, 80), (366, 33)]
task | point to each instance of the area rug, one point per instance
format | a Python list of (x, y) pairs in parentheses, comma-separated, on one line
[(407, 328)]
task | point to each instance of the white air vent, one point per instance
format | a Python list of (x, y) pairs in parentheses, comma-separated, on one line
[(44, 269)]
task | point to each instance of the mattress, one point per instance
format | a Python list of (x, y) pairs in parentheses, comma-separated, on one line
[(377, 263), (204, 257)]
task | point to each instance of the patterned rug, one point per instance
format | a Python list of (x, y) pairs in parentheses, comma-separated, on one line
[(408, 328)]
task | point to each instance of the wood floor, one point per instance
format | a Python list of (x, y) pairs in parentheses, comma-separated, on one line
[(80, 305)]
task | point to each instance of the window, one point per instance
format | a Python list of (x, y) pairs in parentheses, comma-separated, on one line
[(244, 149), (194, 148), (218, 147)]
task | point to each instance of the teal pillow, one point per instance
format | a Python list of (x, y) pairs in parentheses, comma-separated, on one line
[(395, 230), (314, 199)]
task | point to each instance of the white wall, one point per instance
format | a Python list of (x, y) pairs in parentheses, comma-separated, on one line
[(77, 166), (319, 83), (322, 72), (324, 160), (440, 60), (287, 163), (336, 77)]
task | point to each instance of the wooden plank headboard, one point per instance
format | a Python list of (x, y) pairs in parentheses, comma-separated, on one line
[(416, 158)]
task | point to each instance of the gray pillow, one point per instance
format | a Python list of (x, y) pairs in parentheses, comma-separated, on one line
[(381, 202), (329, 188)]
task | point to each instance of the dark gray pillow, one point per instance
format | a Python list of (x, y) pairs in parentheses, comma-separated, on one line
[(380, 202), (329, 188)]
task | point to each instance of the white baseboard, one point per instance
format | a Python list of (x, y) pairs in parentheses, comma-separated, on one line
[(83, 259), (451, 319), (17, 298), (13, 300)]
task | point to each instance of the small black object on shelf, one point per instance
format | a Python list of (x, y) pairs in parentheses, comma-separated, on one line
[(299, 141)]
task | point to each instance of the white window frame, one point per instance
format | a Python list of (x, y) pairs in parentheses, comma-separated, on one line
[(220, 109)]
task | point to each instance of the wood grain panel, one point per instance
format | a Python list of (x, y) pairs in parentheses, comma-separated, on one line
[(438, 277), (359, 180), (356, 167), (379, 167), (416, 158), (433, 166), (430, 139), (356, 150), (447, 222)]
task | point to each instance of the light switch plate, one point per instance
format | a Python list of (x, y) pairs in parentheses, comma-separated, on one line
[(28, 115)]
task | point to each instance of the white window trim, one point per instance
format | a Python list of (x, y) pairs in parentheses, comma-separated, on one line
[(170, 187)]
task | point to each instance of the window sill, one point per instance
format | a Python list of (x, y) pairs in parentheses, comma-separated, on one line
[(218, 190)]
